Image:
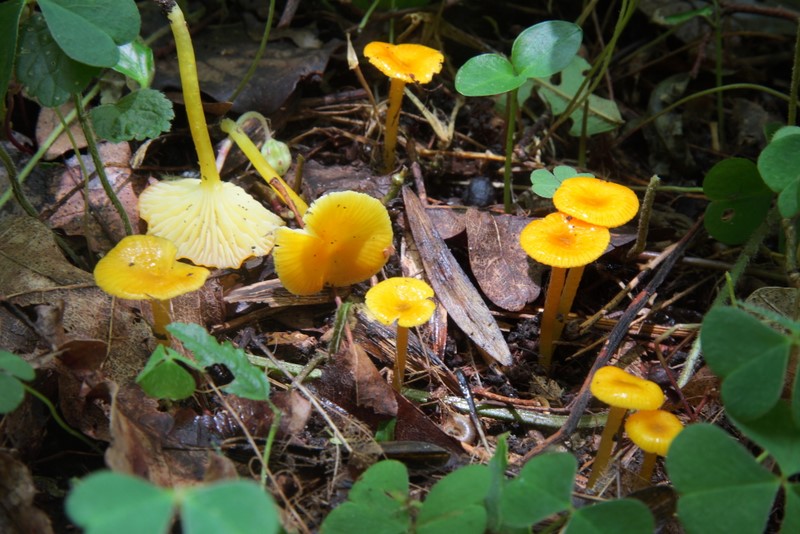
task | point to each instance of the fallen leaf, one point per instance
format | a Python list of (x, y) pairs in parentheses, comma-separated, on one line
[(453, 289), (498, 262), (100, 222), (47, 121), (18, 515)]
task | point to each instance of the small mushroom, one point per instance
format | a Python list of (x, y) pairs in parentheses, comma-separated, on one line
[(403, 63), (622, 391), (653, 432), (406, 301), (567, 245), (346, 239), (143, 267), (212, 223)]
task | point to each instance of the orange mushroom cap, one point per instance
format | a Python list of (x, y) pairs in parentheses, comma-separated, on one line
[(653, 430), (347, 238), (408, 62), (621, 389), (216, 224), (561, 241), (596, 201), (144, 267), (405, 300)]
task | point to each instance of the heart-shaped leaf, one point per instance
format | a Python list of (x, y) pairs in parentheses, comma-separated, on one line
[(779, 164), (723, 489), (486, 75), (752, 363), (139, 115), (543, 487), (545, 48), (164, 378), (455, 503), (779, 434), (623, 516), (739, 200), (230, 506)]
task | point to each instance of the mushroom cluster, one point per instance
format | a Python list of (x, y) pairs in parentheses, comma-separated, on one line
[(571, 239)]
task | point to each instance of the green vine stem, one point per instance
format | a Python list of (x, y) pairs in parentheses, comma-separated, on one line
[(59, 421), (16, 186), (48, 142), (259, 54), (511, 126), (792, 115), (99, 166)]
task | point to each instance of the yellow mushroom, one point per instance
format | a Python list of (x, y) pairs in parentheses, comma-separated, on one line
[(211, 222), (143, 267), (406, 301), (596, 201), (347, 237), (622, 391), (652, 431), (403, 63), (567, 245)]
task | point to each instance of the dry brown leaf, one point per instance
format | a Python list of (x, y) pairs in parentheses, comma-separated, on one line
[(101, 223), (17, 513), (47, 121), (499, 264), (453, 289)]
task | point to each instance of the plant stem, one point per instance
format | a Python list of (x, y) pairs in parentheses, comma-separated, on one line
[(792, 115), (648, 466), (261, 48), (16, 186), (191, 97), (574, 276), (511, 125), (57, 418), (161, 318), (718, 71), (99, 166), (396, 88), (644, 217)]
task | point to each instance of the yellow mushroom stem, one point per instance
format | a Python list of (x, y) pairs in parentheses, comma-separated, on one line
[(270, 175), (568, 297), (648, 466), (396, 88), (191, 97), (547, 330), (400, 360), (615, 416), (161, 318)]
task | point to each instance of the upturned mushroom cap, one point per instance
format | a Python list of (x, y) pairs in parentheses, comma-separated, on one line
[(347, 238), (408, 62), (561, 241), (405, 300), (618, 388), (653, 430), (596, 201), (144, 267), (216, 224)]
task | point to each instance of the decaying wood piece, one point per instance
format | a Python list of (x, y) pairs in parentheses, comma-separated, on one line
[(453, 289)]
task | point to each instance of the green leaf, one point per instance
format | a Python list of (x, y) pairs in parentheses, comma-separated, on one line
[(164, 378), (779, 164), (114, 503), (230, 506), (377, 503), (783, 131), (542, 488), (544, 183), (791, 509), (140, 115), (12, 370), (48, 74), (623, 516), (752, 363), (486, 75), (739, 200), (603, 113), (89, 32), (250, 382), (779, 434), (723, 489), (455, 503), (136, 62), (9, 31), (545, 48), (497, 469)]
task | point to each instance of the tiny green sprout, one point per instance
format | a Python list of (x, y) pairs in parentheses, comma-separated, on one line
[(541, 50), (544, 183)]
